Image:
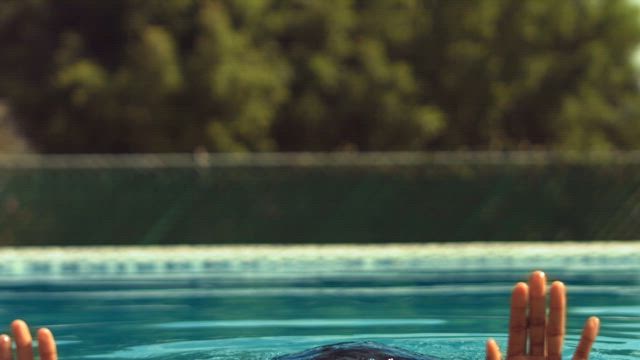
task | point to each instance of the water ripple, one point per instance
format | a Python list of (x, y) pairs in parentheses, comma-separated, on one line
[(306, 323)]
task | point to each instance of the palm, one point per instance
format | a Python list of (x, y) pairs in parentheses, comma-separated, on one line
[(529, 324)]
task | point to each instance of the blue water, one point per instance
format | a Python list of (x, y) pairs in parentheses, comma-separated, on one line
[(446, 314)]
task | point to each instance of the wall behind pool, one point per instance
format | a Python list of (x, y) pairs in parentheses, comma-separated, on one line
[(318, 198)]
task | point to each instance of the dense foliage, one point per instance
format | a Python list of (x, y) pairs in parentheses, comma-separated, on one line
[(265, 75)]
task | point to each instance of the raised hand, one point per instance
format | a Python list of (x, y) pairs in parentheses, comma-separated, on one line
[(24, 349), (533, 335)]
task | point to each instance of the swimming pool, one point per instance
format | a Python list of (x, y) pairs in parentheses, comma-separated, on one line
[(256, 302)]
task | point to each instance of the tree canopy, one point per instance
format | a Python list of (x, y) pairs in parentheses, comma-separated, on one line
[(316, 75)]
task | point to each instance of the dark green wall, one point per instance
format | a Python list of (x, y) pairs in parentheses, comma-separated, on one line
[(423, 201)]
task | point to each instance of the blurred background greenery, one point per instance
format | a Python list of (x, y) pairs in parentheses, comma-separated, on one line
[(347, 76), (124, 76)]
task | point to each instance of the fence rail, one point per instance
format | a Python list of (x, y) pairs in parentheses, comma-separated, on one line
[(355, 159)]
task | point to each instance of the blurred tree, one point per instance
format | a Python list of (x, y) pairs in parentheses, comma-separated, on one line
[(263, 75), (511, 73), (348, 91), (238, 84)]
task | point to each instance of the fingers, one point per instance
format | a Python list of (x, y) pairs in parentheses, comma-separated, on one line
[(47, 345), (518, 321), (556, 325), (23, 340), (545, 339), (589, 334), (5, 348), (537, 313), (22, 337), (493, 351)]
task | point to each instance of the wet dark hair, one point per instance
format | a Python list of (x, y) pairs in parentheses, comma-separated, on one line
[(366, 350)]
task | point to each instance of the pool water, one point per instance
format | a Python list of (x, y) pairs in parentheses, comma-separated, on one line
[(446, 311)]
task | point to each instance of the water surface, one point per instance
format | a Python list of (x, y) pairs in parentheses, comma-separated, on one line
[(445, 313)]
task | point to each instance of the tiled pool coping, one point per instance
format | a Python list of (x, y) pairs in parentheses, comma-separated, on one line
[(258, 259)]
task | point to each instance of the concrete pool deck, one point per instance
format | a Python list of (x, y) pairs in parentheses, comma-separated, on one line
[(287, 259)]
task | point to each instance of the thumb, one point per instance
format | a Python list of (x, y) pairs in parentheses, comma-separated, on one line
[(493, 351)]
